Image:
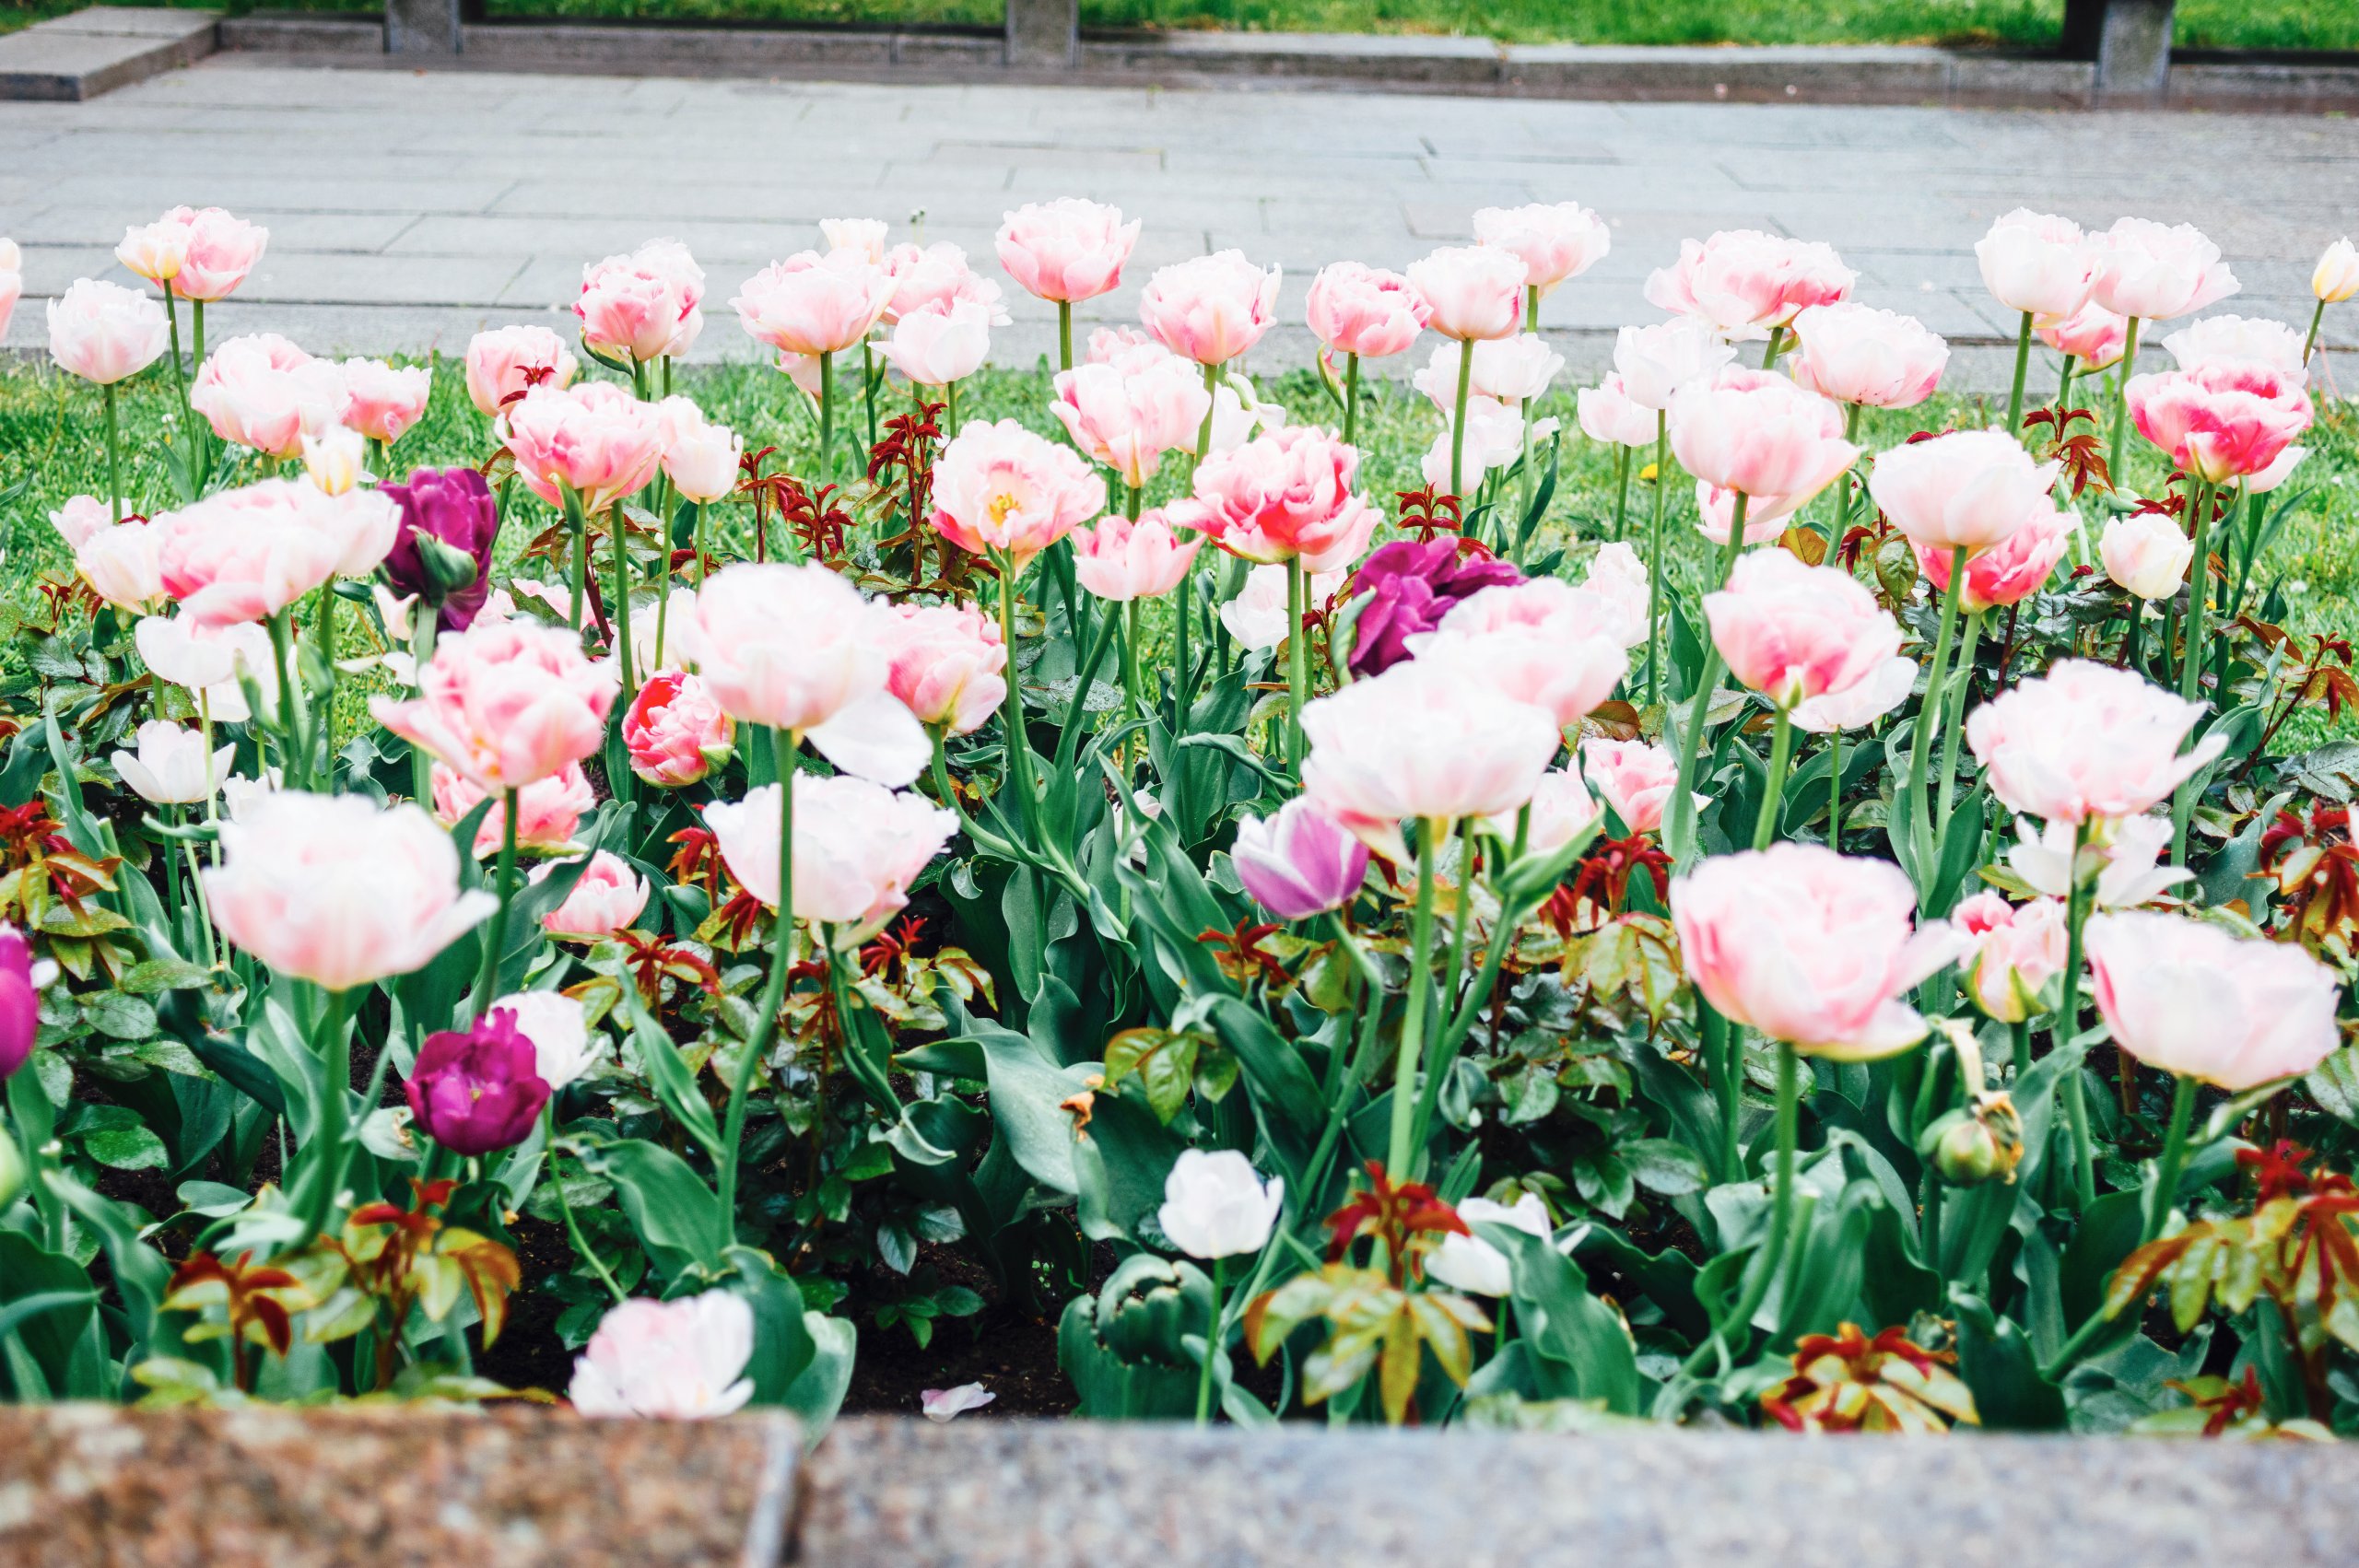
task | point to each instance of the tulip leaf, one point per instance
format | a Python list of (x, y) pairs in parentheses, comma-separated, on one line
[(1119, 1168), (1563, 1324), (673, 1084), (674, 1214)]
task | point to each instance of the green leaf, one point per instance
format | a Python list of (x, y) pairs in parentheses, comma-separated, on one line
[(113, 1013), (127, 1149), (2334, 1085), (674, 1214), (817, 1392), (1564, 1324), (782, 1344), (674, 1085), (153, 975), (1661, 1166)]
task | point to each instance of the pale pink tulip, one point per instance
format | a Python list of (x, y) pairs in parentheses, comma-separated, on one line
[(1127, 418), (334, 890), (1067, 249), (1765, 516), (2156, 271), (936, 345), (1472, 292), (2146, 555), (1417, 742), (1636, 778), (172, 766), (858, 846), (1494, 440), (1298, 862), (2086, 741), (123, 563), (1967, 488), (1858, 354), (1283, 495), (1617, 584), (2007, 573), (864, 236), (998, 488), (606, 898), (675, 730), (1879, 692), (221, 252), (2017, 950), (2034, 261), (938, 274), (2197, 1000), (547, 810), (1210, 309), (506, 363), (811, 303), (679, 1360), (701, 458), (1793, 632), (246, 554), (1656, 361), (1560, 811), (1542, 642), (1120, 560), (2336, 277), (335, 459), (1607, 414), (1257, 616), (264, 392), (506, 704), (1753, 431), (2238, 340), (2125, 851), (1740, 283), (154, 251), (103, 332), (948, 665), (2093, 335), (643, 306), (1555, 242), (594, 440), (2222, 421), (1507, 369), (381, 401), (1809, 947), (209, 662), (79, 518), (1357, 309)]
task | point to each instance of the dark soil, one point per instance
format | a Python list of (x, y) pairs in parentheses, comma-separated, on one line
[(528, 1353), (1012, 1355)]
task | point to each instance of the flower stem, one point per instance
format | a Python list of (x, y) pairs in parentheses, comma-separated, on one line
[(1928, 719), (496, 936), (1621, 489), (290, 701), (2121, 401), (783, 745), (1458, 420), (2068, 1018), (1019, 743), (1352, 395), (2190, 670), (1064, 334), (2174, 1159), (1781, 745), (2309, 343), (336, 1057), (827, 413), (1777, 347), (1654, 560), (1960, 679), (1679, 822), (1130, 702), (1297, 663), (622, 604), (2022, 363), (1204, 430), (565, 1205), (579, 524), (1412, 1021), (1213, 1336), (114, 452)]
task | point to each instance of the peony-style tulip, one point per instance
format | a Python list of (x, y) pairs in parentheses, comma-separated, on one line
[(865, 237), (858, 846), (1608, 413), (682, 1360), (2197, 1000), (938, 274), (643, 306), (477, 1091), (507, 703), (154, 250), (811, 303), (1357, 309), (1210, 309), (549, 811), (1067, 249), (1257, 616), (2222, 421), (1793, 632), (123, 563), (1765, 516), (2336, 277), (334, 890), (1858, 354), (594, 440), (947, 665), (2238, 340), (2126, 853), (676, 732), (1415, 741), (1810, 947), (1740, 283), (2017, 948), (1560, 811), (2006, 573), (79, 518), (606, 898), (1968, 488), (170, 767), (1127, 416), (1472, 292), (558, 1029), (1120, 560), (209, 661), (246, 554), (1656, 361), (938, 344), (700, 457), (21, 980), (1507, 369), (1467, 1262), (219, 251), (2156, 271), (1281, 495), (443, 553), (1542, 642), (1757, 432), (2093, 335), (1555, 242), (263, 392), (1216, 1205), (1494, 439), (1617, 583), (997, 488), (105, 333), (1862, 702), (507, 362), (381, 401), (1298, 862), (2146, 555), (2086, 741), (1412, 585), (2037, 263)]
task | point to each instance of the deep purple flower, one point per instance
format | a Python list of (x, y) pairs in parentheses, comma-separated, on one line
[(451, 509), (19, 1001), (1415, 585), (477, 1090), (1299, 862)]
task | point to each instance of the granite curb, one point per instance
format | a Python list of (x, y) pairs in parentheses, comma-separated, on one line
[(70, 58)]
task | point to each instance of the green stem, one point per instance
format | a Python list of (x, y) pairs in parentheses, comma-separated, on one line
[(1204, 430), (2309, 343), (826, 413), (2068, 1019), (1019, 742), (335, 1112), (291, 700), (621, 528), (2063, 391), (1654, 560), (2121, 401), (1531, 306), (1928, 719), (1960, 680), (423, 618), (565, 1205), (1781, 745), (1130, 702), (1351, 396), (1777, 347), (495, 934), (196, 329), (114, 452), (2174, 1160), (1213, 1336), (2021, 1031), (1298, 663), (1679, 822), (1523, 520), (2191, 662), (575, 519), (1621, 489), (1445, 999), (1843, 486), (1458, 420), (1064, 334), (783, 745), (2022, 363), (1781, 1214), (1834, 789), (1412, 1021)]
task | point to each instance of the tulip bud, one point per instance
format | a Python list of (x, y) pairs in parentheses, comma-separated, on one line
[(332, 460), (12, 1172), (2337, 277), (1973, 1144)]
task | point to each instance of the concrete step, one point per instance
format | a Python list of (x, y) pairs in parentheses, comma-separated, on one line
[(68, 59)]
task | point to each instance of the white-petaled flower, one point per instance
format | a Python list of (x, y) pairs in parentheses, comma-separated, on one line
[(684, 1359), (170, 768), (1216, 1206), (1470, 1264), (2128, 850), (563, 1047)]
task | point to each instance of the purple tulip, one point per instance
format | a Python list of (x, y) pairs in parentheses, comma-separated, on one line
[(479, 1090), (19, 1001), (449, 521), (1415, 585), (1300, 862)]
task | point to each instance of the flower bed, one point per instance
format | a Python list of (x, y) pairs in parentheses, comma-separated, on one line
[(1784, 907)]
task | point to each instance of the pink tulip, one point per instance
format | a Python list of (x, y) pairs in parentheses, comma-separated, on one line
[(1636, 778), (1511, 370), (1858, 354), (1967, 488), (123, 563), (1753, 431), (865, 237), (247, 553), (1414, 742), (1356, 308), (506, 363), (1120, 560), (2336, 277), (1542, 642), (1656, 361), (1211, 309), (208, 661), (1765, 516), (675, 730), (1283, 495), (1300, 861), (2086, 741), (948, 665), (2124, 851), (1472, 292), (2220, 422), (79, 518), (2146, 555), (2017, 949), (858, 846), (1556, 243), (2197, 1000), (2093, 335), (2156, 271), (547, 810), (154, 250), (1607, 414), (814, 304), (606, 898), (936, 345), (2238, 340), (1740, 283), (643, 306), (1809, 947), (2277, 473), (12, 281), (221, 252), (938, 274), (381, 401), (701, 458), (594, 440), (1257, 616), (105, 333), (506, 704), (1793, 632), (678, 1360), (997, 488), (1067, 249), (264, 392), (2007, 573), (1617, 585), (1128, 417), (1494, 440), (334, 890), (2035, 262), (1865, 700), (1560, 811)]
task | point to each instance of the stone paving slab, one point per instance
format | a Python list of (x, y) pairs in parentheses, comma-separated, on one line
[(67, 59), (410, 209)]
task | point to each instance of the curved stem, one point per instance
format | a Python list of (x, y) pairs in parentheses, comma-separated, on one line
[(1621, 489), (565, 1205), (1781, 745), (783, 745), (1352, 395), (2191, 662), (1458, 419), (2022, 363), (1298, 663), (1654, 560), (2309, 343), (1960, 679), (1412, 1023), (496, 935), (1777, 347)]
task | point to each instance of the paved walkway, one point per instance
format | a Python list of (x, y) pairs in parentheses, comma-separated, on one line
[(408, 209)]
